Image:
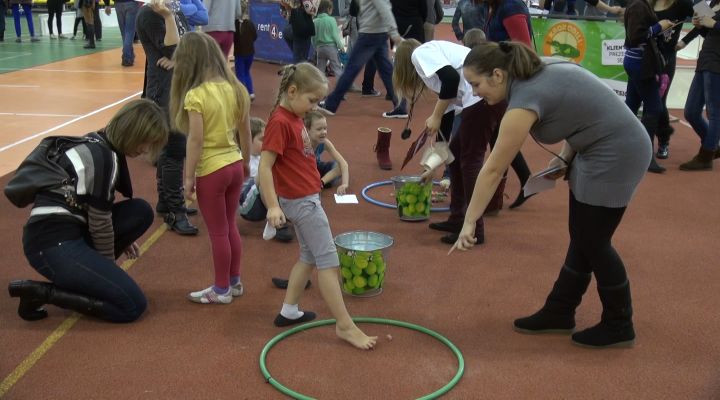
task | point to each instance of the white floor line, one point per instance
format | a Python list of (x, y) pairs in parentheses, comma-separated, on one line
[(682, 121), (17, 56), (72, 121), (71, 71), (19, 86), (39, 115)]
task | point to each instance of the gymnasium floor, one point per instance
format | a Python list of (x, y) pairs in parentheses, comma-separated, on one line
[(179, 350)]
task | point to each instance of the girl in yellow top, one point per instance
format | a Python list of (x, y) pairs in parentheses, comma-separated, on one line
[(209, 103)]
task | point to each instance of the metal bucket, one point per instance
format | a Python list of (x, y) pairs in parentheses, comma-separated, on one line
[(363, 262), (413, 198)]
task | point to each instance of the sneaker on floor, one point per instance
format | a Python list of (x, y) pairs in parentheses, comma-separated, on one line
[(322, 109), (53, 37), (18, 40), (354, 89), (372, 93), (208, 296), (283, 234), (396, 113), (34, 39), (237, 290), (62, 37)]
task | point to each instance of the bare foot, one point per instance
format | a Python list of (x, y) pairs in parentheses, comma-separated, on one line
[(356, 337)]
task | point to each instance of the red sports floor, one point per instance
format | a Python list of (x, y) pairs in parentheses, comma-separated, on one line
[(180, 350)]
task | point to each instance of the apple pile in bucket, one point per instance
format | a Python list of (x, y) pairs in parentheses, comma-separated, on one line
[(362, 271), (413, 200)]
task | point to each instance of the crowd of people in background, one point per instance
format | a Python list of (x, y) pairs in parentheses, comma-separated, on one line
[(491, 91)]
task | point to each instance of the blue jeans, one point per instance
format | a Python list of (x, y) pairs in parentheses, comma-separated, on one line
[(242, 71), (704, 91), (75, 266), (27, 9), (126, 16), (368, 46)]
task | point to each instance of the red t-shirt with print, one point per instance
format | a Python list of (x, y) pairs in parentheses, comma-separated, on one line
[(295, 172)]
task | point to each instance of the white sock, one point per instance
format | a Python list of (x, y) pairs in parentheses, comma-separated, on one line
[(290, 311)]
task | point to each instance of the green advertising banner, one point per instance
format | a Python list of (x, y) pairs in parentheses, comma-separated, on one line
[(596, 45)]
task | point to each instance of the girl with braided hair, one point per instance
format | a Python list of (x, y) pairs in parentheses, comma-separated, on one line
[(290, 185)]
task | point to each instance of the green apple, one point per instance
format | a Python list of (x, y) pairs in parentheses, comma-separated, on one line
[(373, 281), (360, 282)]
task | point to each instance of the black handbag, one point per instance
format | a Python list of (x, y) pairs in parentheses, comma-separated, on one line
[(40, 171), (653, 62)]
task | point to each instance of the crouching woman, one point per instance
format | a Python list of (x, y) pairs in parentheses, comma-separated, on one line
[(73, 240)]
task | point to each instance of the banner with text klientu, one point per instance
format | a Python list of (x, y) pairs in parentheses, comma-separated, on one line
[(596, 45)]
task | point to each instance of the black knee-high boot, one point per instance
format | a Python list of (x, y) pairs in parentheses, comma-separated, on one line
[(170, 186), (558, 313), (90, 37), (33, 295), (615, 328), (650, 122)]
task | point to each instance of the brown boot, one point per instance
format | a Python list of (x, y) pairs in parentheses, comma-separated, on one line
[(382, 148), (702, 161)]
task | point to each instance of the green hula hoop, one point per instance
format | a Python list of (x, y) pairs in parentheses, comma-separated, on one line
[(382, 321)]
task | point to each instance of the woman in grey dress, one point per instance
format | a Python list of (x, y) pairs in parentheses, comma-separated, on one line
[(606, 152)]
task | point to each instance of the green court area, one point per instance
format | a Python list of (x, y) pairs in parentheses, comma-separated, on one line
[(15, 56)]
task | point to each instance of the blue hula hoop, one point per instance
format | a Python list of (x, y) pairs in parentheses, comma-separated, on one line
[(388, 205)]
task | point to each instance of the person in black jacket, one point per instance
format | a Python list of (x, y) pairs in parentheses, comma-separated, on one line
[(300, 19), (73, 240), (642, 26), (159, 32), (673, 10)]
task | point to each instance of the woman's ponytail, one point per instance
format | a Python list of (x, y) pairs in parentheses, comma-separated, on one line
[(517, 59)]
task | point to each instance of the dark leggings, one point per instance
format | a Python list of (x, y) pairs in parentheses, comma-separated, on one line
[(55, 9), (76, 267), (590, 251), (78, 21), (664, 124)]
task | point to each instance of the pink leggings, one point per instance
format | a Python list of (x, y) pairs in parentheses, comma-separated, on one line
[(218, 196)]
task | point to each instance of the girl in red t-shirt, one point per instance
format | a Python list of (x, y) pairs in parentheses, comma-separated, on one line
[(290, 185)]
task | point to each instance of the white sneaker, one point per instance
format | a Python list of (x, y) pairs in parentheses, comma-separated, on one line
[(208, 296), (237, 290), (53, 36)]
